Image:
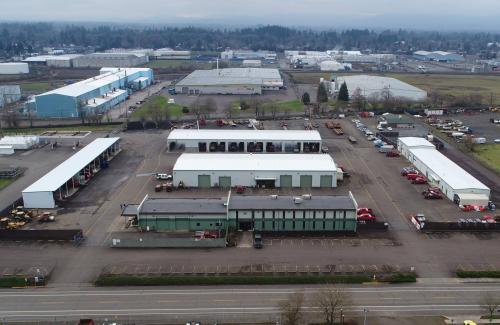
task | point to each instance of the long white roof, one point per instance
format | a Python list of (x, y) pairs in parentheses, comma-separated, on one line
[(447, 170), (416, 142), (262, 135), (67, 169), (254, 162), (87, 85)]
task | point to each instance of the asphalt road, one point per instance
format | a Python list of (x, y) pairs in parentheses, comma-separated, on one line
[(256, 303)]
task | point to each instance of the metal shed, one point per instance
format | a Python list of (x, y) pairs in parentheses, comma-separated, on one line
[(65, 180)]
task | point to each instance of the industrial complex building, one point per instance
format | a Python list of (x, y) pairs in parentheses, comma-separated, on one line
[(14, 68), (64, 180), (9, 94), (58, 61), (439, 56), (260, 213), (454, 182), (99, 60), (255, 170), (170, 54), (374, 86), (236, 81), (92, 96), (248, 55), (293, 141)]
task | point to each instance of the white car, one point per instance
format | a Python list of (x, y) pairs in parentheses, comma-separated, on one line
[(496, 140), (389, 129)]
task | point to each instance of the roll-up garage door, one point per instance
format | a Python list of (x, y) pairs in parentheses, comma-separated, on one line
[(204, 181), (225, 181), (306, 181), (286, 181), (325, 181)]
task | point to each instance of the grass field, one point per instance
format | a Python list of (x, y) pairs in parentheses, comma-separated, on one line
[(4, 182), (489, 154), (174, 110), (454, 85), (282, 106), (37, 86)]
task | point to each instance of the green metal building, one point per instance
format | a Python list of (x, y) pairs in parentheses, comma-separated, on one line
[(261, 213)]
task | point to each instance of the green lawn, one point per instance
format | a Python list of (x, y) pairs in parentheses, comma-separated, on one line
[(4, 182), (37, 86), (489, 154), (145, 111)]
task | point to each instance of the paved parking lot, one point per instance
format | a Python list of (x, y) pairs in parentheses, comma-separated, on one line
[(374, 181)]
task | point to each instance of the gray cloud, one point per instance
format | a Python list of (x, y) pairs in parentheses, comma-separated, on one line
[(446, 14)]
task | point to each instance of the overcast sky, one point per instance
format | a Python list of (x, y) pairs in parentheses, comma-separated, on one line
[(419, 14)]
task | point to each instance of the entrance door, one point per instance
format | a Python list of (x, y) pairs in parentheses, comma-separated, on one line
[(245, 225), (306, 181), (204, 181), (265, 183), (325, 181), (225, 181), (286, 181)]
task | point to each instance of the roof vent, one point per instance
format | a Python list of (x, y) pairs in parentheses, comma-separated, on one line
[(297, 200), (274, 196), (306, 196)]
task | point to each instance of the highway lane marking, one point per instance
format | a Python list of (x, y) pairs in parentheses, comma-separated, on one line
[(109, 302), (51, 302), (224, 300)]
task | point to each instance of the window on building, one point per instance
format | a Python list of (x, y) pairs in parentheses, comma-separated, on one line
[(198, 224)]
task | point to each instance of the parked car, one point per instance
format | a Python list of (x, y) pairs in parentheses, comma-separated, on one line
[(367, 217), (257, 241), (364, 211), (392, 154), (166, 177), (412, 176), (324, 149), (419, 180), (430, 195), (406, 170)]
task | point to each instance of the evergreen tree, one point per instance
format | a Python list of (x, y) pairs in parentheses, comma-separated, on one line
[(343, 93), (322, 96), (306, 99)]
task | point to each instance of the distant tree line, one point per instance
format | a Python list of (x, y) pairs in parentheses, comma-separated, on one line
[(21, 38)]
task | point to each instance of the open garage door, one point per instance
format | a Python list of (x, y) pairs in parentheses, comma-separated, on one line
[(306, 181), (286, 181), (225, 181), (326, 181), (204, 181)]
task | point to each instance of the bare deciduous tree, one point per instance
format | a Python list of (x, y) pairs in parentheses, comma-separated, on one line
[(208, 106), (490, 303), (358, 100), (330, 301), (291, 309)]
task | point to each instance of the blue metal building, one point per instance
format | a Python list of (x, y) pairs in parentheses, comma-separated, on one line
[(95, 95)]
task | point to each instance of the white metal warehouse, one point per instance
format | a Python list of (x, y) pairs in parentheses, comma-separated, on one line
[(294, 141), (237, 81), (455, 183), (65, 180), (277, 170)]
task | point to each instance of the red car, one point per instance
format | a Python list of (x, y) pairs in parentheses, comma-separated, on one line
[(430, 195), (367, 217), (470, 207), (419, 180), (364, 211), (392, 154), (412, 176)]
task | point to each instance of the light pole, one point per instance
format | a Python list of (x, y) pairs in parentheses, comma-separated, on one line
[(365, 311), (342, 316)]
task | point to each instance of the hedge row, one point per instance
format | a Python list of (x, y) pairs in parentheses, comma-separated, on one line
[(131, 280), (478, 274), (12, 281)]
